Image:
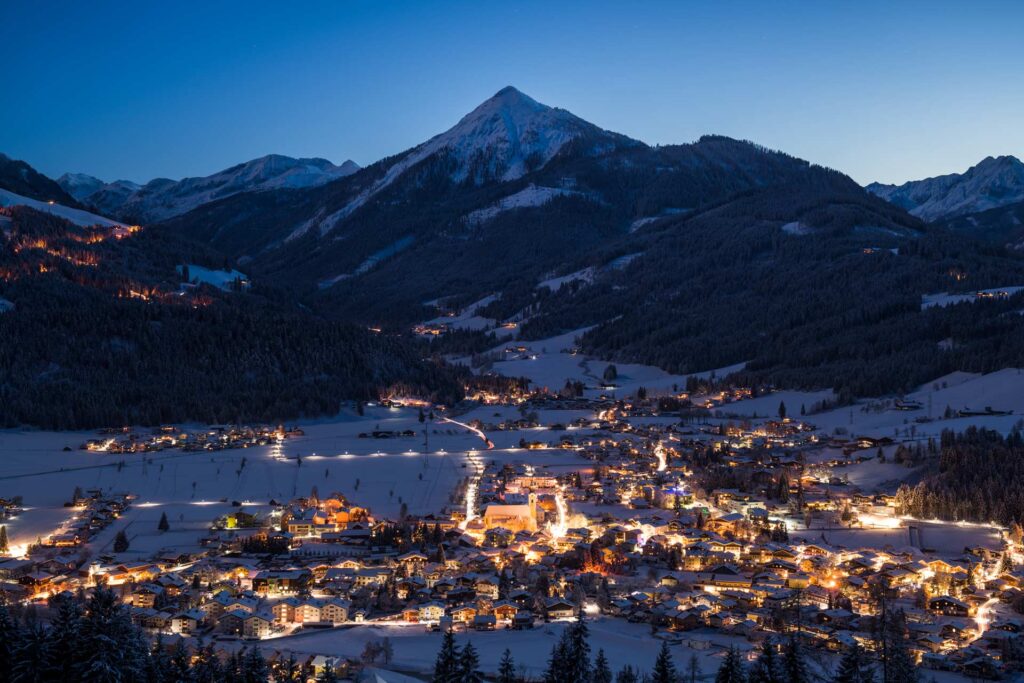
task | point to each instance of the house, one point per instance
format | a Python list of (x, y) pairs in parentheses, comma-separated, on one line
[(949, 606), (523, 620), (484, 622), (257, 625), (188, 622), (431, 611), (335, 610), (559, 608), (505, 611), (291, 581), (463, 614), (233, 621)]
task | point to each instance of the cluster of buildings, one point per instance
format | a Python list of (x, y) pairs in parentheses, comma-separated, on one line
[(215, 438), (692, 528)]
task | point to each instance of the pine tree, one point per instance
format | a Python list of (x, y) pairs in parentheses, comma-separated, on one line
[(164, 525), (254, 667), (692, 669), (33, 655), (899, 667), (854, 667), (4, 544), (287, 670), (793, 663), (446, 667), (627, 675), (179, 663), (578, 652), (469, 665), (120, 542), (767, 668), (206, 668), (10, 634), (732, 670), (507, 668), (65, 635), (113, 646), (602, 672), (158, 664), (557, 671), (664, 668)]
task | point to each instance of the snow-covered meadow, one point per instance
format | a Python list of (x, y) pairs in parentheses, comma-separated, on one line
[(194, 488)]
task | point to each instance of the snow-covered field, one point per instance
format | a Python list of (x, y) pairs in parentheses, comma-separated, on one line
[(415, 648), (194, 488), (221, 279), (548, 363)]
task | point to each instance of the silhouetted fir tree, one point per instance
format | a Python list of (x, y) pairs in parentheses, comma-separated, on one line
[(469, 665), (164, 525), (158, 664), (206, 666), (731, 670), (120, 542), (33, 655), (692, 668), (65, 635), (507, 668), (114, 648), (627, 674), (446, 666), (9, 635), (793, 663), (767, 668), (602, 672), (180, 662), (578, 652), (854, 667), (4, 544), (900, 666), (664, 668), (558, 668), (254, 667)]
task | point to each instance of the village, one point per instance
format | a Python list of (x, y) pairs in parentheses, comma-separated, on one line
[(705, 533)]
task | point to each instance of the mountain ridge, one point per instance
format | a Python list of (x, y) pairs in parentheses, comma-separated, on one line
[(163, 198), (991, 183)]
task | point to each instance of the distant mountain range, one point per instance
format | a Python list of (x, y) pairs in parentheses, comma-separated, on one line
[(987, 200), (162, 198), (688, 257)]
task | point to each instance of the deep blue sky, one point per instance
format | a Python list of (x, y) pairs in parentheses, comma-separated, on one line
[(881, 90)]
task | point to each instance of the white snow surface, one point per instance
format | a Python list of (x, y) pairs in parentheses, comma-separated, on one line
[(531, 195), (194, 488), (76, 216)]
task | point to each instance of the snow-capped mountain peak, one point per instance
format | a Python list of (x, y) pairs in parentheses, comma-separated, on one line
[(80, 185), (991, 183), (505, 137)]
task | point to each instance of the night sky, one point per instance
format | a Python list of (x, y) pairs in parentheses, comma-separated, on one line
[(880, 90)]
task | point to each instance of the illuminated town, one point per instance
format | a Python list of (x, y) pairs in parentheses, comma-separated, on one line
[(650, 512)]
